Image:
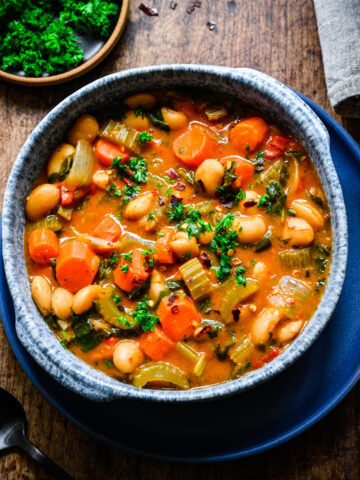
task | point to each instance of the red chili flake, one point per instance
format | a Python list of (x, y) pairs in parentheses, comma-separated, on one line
[(149, 11), (190, 9), (180, 186), (175, 200), (172, 174), (211, 25), (205, 260), (175, 309), (257, 364), (173, 5), (172, 298), (161, 201), (200, 331), (127, 181), (249, 203), (236, 314), (236, 262)]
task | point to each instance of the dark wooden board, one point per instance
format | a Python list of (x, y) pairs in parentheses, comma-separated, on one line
[(280, 38)]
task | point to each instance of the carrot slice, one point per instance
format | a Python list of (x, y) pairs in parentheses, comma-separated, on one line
[(178, 316), (248, 134), (130, 275), (76, 265), (107, 229), (106, 151), (193, 146), (163, 249), (156, 344), (245, 172), (43, 245)]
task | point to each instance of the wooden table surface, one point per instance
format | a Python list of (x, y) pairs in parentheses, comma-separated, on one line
[(280, 38)]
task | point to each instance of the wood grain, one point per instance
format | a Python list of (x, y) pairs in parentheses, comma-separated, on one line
[(278, 37)]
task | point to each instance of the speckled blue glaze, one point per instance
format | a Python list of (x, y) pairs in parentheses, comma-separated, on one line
[(252, 87)]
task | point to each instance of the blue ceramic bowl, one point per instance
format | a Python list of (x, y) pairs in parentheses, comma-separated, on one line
[(250, 86)]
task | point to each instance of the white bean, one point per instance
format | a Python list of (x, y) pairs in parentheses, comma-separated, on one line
[(260, 270), (183, 246), (249, 229), (57, 158), (289, 330), (41, 293), (210, 175), (41, 200), (251, 199), (264, 324), (127, 356), (101, 179), (297, 231), (61, 302), (85, 127), (308, 212), (136, 121), (173, 118), (157, 283), (145, 100), (84, 298), (140, 207), (206, 237)]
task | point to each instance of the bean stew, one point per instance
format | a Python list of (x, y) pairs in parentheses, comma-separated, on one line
[(177, 240)]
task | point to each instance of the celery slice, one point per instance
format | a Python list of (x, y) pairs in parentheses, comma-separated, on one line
[(215, 113), (290, 288), (51, 222), (111, 314), (65, 212), (196, 279), (242, 350), (82, 167), (121, 134), (160, 372), (234, 294), (295, 258)]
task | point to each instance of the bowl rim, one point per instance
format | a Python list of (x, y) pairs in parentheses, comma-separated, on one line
[(83, 67), (96, 386)]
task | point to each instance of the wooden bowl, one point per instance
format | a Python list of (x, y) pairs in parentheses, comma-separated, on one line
[(82, 68)]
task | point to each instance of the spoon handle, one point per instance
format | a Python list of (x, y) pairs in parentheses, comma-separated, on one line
[(39, 457)]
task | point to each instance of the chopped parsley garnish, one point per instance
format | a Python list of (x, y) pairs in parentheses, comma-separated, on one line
[(225, 240), (291, 212), (117, 298), (149, 257), (151, 216), (144, 137), (124, 322), (139, 112), (114, 258), (143, 317), (130, 191), (194, 224), (227, 193), (108, 363), (127, 256), (181, 149), (113, 191), (176, 210), (274, 198), (240, 279), (124, 268), (135, 169)]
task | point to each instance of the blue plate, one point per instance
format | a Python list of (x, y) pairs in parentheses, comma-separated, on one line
[(255, 420)]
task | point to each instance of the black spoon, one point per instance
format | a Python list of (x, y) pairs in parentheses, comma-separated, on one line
[(12, 434)]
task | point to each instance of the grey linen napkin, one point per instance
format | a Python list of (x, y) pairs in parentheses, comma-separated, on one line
[(339, 32)]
